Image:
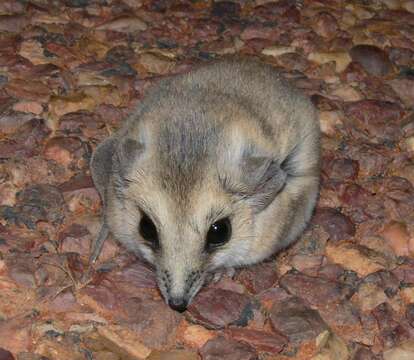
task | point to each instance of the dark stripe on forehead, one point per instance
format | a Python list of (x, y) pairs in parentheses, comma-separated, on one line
[(185, 147)]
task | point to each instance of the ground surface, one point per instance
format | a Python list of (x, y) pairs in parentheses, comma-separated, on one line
[(71, 70)]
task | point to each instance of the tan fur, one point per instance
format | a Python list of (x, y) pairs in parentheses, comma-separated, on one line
[(229, 139)]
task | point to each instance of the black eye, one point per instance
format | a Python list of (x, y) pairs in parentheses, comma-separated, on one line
[(219, 233), (148, 230)]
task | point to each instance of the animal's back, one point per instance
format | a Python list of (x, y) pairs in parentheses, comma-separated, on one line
[(252, 84), (225, 91)]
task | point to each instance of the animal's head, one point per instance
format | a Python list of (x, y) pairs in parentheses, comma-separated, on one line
[(185, 197)]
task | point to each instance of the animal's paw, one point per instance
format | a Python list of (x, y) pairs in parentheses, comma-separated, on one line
[(223, 272)]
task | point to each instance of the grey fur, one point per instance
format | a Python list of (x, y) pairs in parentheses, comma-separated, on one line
[(229, 139)]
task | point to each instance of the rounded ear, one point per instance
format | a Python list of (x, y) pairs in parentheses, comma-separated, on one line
[(127, 151), (101, 165), (255, 177), (264, 179), (113, 156), (267, 180)]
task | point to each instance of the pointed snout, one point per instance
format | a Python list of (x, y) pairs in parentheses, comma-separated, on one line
[(178, 304), (179, 285)]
